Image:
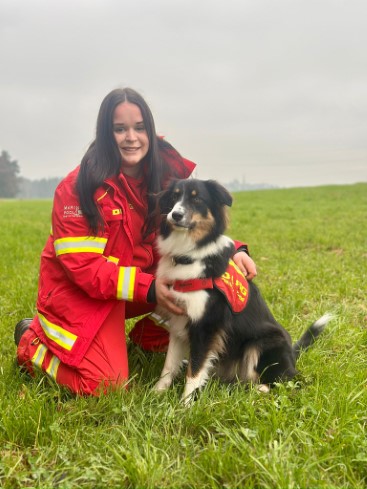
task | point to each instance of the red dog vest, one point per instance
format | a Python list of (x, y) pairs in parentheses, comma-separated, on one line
[(232, 284)]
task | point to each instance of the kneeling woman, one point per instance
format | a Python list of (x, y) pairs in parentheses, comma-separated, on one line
[(97, 267)]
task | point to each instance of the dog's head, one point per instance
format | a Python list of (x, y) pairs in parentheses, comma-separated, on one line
[(196, 207)]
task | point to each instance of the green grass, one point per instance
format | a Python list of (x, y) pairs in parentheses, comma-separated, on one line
[(310, 246)]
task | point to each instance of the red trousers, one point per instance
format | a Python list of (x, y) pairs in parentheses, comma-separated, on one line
[(105, 365)]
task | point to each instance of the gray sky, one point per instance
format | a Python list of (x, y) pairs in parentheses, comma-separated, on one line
[(269, 91)]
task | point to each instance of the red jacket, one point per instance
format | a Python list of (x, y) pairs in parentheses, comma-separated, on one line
[(81, 276)]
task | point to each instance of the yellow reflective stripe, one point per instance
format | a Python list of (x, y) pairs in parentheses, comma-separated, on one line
[(112, 258), (80, 244), (39, 355), (101, 197), (53, 367), (126, 283), (59, 335)]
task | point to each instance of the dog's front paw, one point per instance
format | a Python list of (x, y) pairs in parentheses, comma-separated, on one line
[(163, 384), (190, 394), (188, 401), (264, 388)]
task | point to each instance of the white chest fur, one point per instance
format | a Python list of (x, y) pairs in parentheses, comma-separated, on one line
[(194, 303)]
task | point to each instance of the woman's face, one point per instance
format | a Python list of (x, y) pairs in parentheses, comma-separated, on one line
[(131, 137)]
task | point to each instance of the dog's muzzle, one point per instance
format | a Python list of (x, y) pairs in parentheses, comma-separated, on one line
[(178, 219), (177, 216)]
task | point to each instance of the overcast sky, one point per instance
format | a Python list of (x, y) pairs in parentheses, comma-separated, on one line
[(266, 91)]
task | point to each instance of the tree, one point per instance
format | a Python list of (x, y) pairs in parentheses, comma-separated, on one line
[(8, 176), (37, 189)]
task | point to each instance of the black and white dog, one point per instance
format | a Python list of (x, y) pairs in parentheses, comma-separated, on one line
[(228, 328)]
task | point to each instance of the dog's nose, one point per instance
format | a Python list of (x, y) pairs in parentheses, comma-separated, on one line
[(177, 216)]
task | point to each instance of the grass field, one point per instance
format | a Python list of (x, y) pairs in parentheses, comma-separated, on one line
[(310, 246)]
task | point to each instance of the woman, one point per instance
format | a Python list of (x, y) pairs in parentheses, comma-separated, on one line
[(97, 267)]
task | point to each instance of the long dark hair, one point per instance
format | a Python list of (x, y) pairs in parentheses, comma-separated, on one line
[(103, 159)]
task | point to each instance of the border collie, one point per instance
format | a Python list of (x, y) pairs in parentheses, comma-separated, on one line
[(227, 329)]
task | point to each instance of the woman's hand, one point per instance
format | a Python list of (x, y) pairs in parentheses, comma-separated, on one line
[(165, 298), (246, 264)]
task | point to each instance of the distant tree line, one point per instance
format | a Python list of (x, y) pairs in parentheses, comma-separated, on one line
[(37, 189), (237, 186), (11, 185), (14, 186), (9, 179)]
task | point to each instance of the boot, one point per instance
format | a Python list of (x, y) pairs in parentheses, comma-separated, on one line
[(21, 328)]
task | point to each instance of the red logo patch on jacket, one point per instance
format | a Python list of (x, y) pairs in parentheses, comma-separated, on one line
[(234, 286)]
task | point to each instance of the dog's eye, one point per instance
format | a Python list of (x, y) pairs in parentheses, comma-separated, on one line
[(196, 199)]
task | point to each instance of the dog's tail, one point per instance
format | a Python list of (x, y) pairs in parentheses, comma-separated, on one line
[(309, 337)]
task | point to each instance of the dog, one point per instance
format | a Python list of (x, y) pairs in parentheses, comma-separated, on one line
[(227, 329)]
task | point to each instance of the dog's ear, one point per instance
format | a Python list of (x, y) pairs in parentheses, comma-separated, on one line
[(220, 193)]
